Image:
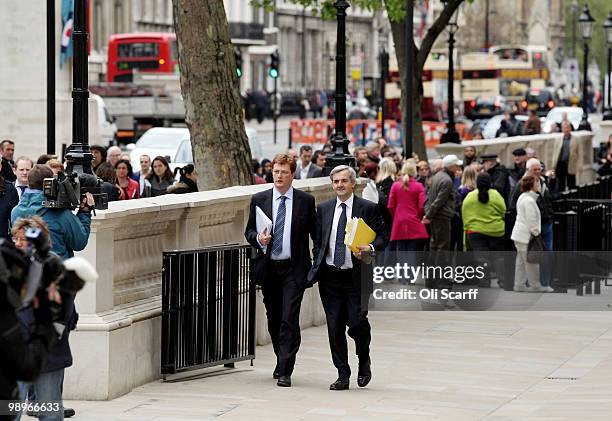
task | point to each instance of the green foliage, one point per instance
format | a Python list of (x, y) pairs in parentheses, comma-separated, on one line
[(597, 46)]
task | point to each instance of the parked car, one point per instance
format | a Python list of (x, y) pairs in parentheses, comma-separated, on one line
[(539, 100), (483, 107), (555, 116), (175, 145), (359, 109), (494, 123)]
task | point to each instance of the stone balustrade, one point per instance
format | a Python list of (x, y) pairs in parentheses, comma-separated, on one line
[(605, 130), (117, 343), (547, 147)]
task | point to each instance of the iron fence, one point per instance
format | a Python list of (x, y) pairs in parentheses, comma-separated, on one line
[(208, 308)]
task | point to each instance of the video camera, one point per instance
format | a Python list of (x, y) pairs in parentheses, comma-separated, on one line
[(66, 191), (28, 275)]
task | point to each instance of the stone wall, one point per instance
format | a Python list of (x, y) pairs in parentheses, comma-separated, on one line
[(117, 343), (547, 147)]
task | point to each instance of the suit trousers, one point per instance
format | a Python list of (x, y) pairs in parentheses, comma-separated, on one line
[(282, 298), (565, 180), (440, 234), (342, 305)]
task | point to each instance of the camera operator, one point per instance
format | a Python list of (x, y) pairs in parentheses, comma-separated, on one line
[(69, 232), (48, 387), (21, 359)]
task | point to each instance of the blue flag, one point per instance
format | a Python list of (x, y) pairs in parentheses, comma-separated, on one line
[(67, 23)]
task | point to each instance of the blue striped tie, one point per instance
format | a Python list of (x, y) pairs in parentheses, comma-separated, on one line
[(279, 226), (340, 248)]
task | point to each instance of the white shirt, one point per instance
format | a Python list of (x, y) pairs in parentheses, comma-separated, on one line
[(304, 172), (348, 263), (276, 201), (18, 187)]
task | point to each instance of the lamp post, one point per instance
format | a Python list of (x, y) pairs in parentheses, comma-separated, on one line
[(585, 24), (384, 73), (451, 135), (408, 81), (78, 154), (607, 115), (339, 139)]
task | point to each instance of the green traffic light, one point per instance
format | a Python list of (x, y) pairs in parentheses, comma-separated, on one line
[(239, 72), (273, 73)]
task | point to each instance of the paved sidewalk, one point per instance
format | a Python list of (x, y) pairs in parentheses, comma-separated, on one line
[(426, 366)]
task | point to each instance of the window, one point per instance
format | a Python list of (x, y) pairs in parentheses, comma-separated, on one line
[(174, 50), (138, 49)]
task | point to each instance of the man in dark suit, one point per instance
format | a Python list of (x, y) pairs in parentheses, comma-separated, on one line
[(307, 169), (342, 289), (283, 260)]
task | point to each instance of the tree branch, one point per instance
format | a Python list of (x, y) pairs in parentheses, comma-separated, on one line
[(435, 30)]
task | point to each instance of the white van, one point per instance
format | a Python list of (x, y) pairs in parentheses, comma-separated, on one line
[(107, 128)]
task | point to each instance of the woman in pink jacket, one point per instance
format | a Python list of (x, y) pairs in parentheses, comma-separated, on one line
[(406, 202)]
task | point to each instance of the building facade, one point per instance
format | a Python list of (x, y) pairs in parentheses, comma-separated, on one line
[(517, 22)]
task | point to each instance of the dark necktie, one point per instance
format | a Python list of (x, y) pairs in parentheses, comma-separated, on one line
[(340, 248), (279, 226), (22, 188)]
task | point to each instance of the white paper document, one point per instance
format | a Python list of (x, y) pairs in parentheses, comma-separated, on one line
[(262, 222)]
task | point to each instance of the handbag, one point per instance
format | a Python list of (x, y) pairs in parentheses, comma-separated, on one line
[(535, 249)]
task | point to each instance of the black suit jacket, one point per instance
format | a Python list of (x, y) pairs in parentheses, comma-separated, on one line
[(362, 208), (302, 226)]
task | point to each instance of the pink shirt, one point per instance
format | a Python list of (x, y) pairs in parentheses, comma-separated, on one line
[(406, 208)]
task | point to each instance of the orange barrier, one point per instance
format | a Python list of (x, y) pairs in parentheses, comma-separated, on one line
[(362, 131)]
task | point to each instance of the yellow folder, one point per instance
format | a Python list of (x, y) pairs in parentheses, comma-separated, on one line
[(358, 233)]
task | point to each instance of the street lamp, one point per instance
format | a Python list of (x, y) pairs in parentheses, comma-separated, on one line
[(608, 32), (585, 24), (78, 154), (451, 135), (339, 139)]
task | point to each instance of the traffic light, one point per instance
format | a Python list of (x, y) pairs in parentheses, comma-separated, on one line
[(238, 57), (274, 63)]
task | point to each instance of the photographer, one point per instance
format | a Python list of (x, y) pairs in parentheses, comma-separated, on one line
[(20, 358), (69, 232)]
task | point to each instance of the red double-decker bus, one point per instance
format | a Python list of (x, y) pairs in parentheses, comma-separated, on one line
[(146, 52)]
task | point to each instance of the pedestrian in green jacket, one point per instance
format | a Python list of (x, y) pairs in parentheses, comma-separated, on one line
[(483, 213)]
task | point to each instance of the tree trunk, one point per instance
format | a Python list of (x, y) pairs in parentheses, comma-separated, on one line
[(418, 141), (398, 29), (220, 145)]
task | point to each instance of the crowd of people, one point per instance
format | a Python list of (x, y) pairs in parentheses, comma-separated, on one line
[(450, 204), (112, 167)]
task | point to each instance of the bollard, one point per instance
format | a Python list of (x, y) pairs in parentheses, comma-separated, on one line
[(290, 140)]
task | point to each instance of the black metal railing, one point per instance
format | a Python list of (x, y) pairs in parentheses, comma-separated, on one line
[(598, 189), (208, 308)]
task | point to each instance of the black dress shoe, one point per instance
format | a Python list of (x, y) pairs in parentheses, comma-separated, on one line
[(69, 412), (275, 375), (340, 384), (365, 374), (284, 381)]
